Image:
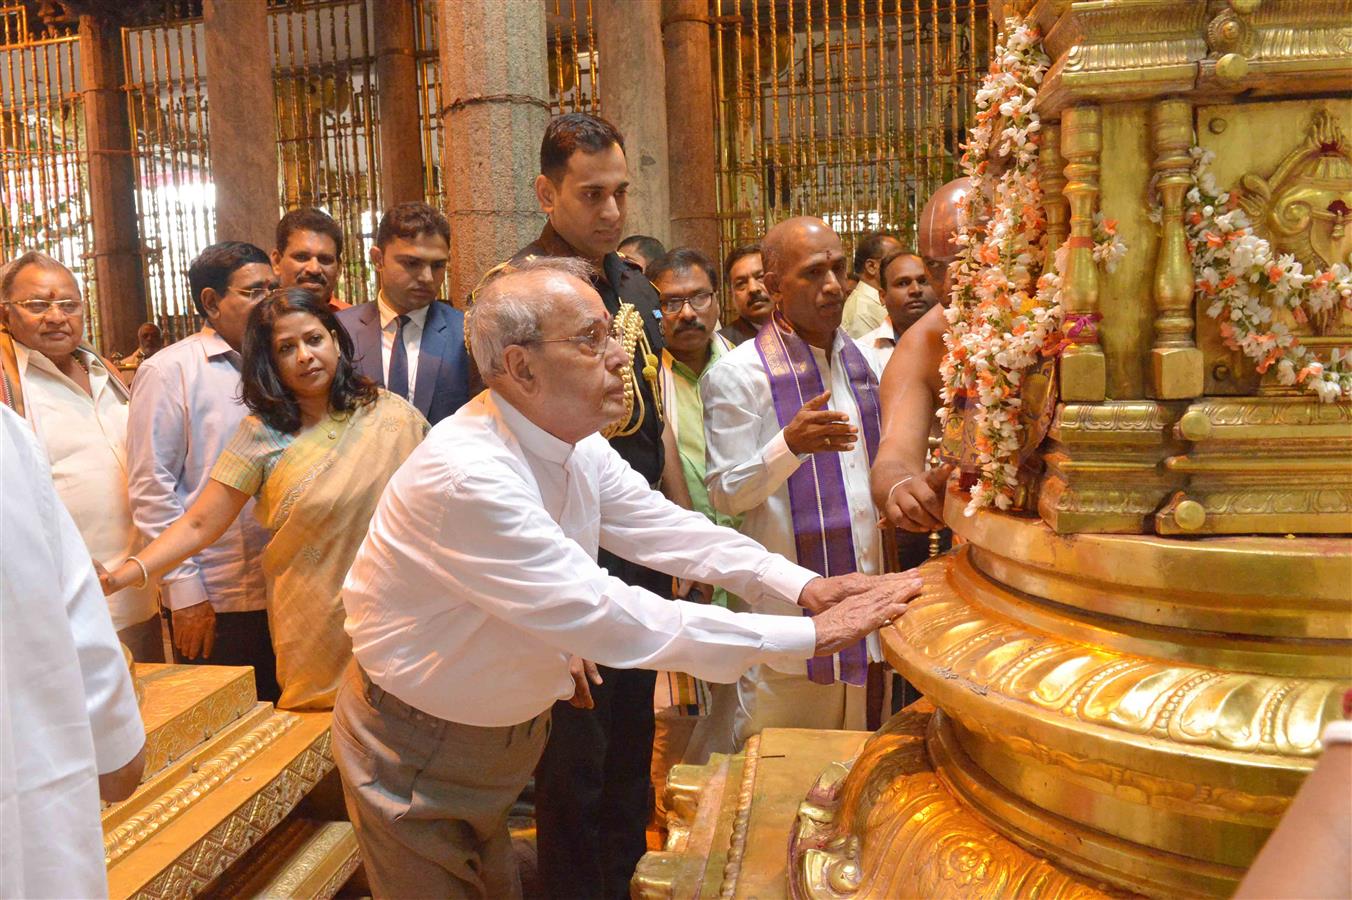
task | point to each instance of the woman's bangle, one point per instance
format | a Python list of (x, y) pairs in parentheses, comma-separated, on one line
[(894, 487), (145, 573)]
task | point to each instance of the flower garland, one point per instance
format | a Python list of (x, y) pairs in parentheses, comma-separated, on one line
[(1242, 279), (1006, 304)]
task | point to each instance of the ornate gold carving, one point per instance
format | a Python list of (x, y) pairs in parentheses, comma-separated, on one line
[(947, 645), (1083, 371), (155, 815), (1305, 208), (1176, 363), (185, 705), (199, 864), (742, 818), (885, 826), (1051, 175)]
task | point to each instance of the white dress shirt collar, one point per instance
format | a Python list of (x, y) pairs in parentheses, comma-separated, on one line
[(388, 313), (534, 439), (213, 344)]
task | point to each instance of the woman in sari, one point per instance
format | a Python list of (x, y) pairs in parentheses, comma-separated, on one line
[(316, 453)]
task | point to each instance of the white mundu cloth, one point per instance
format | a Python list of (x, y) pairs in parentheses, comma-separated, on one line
[(478, 576), (67, 707)]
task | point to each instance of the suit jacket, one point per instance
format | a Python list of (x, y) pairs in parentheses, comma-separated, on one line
[(443, 381)]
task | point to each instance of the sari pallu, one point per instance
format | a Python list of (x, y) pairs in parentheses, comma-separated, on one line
[(318, 501)]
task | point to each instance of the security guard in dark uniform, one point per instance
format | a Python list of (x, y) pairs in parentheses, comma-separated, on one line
[(593, 791)]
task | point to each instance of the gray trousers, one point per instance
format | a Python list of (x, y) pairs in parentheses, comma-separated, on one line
[(429, 798)]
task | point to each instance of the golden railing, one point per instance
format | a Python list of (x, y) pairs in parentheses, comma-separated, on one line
[(44, 164), (175, 199), (852, 110)]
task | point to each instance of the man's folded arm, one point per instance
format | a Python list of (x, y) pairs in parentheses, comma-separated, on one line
[(501, 551)]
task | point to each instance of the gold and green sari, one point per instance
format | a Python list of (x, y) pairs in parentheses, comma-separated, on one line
[(317, 498)]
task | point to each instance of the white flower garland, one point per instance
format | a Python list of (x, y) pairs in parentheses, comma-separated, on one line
[(1242, 279), (1005, 312)]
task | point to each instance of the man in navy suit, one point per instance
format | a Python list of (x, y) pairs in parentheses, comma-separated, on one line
[(407, 341)]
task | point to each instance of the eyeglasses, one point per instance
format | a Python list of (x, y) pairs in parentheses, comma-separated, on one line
[(67, 306), (252, 294), (671, 306), (593, 341)]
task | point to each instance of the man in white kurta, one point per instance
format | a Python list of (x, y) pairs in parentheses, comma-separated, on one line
[(751, 457), (78, 408), (67, 708)]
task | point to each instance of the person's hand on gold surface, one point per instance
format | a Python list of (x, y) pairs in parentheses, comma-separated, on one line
[(816, 429), (195, 630), (585, 674), (883, 599), (823, 593), (119, 784), (916, 502)]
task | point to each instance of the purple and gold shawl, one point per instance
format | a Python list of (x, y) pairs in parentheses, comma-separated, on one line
[(822, 533)]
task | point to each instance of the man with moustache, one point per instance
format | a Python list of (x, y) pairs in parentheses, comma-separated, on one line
[(746, 279), (863, 307), (783, 419), (185, 407), (408, 342), (309, 254), (907, 296), (592, 788), (909, 495), (687, 282)]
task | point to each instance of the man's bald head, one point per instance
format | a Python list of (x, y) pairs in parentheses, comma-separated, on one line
[(805, 275), (937, 231)]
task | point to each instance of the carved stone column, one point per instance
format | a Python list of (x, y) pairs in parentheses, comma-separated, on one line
[(634, 98), (118, 282), (1175, 361), (401, 162), (690, 125), (1083, 371), (495, 84), (1051, 175), (242, 121)]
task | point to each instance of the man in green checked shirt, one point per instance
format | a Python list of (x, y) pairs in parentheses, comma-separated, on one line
[(687, 282)]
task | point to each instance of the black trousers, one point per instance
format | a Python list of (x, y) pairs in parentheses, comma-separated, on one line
[(242, 639), (593, 789)]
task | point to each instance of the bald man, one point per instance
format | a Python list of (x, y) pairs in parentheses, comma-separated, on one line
[(791, 422), (909, 495)]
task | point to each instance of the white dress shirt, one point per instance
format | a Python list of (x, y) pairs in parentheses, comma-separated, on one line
[(478, 576), (878, 345), (389, 327), (185, 407), (67, 707), (749, 462), (86, 442)]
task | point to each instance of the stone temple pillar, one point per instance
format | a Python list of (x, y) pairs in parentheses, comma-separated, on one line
[(242, 120), (401, 161), (634, 98), (118, 280), (495, 86), (690, 124)]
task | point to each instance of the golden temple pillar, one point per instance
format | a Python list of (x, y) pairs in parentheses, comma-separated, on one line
[(1176, 363), (1083, 370)]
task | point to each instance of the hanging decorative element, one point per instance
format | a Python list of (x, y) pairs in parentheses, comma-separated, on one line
[(1005, 312)]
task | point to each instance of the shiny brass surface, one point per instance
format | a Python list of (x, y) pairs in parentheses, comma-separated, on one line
[(1083, 374)]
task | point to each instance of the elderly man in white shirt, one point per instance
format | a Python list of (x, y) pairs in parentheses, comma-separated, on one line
[(784, 415), (70, 732), (77, 406), (185, 407), (478, 579)]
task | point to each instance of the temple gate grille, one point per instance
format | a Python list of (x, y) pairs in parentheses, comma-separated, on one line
[(44, 164), (852, 110)]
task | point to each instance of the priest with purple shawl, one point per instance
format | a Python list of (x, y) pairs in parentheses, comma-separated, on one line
[(792, 423)]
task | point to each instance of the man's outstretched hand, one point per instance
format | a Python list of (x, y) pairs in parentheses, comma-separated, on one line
[(823, 593), (879, 600)]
